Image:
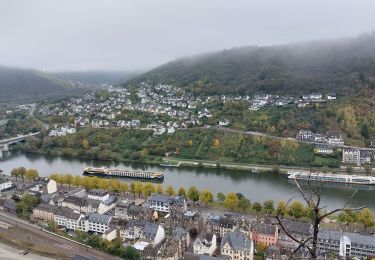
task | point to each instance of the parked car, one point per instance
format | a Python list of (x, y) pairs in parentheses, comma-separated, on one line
[(24, 252)]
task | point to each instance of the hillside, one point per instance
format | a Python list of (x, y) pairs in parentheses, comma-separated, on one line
[(327, 66), (97, 77), (31, 85)]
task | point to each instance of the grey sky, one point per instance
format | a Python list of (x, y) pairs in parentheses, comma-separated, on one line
[(133, 34)]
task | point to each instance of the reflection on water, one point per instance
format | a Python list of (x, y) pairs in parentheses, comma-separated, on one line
[(255, 186)]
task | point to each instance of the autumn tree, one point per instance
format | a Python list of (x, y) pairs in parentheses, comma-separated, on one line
[(159, 189), (244, 204), (68, 179), (32, 174), (123, 187), (281, 208), (220, 196), (296, 209), (257, 206), (76, 180), (193, 194), (114, 185), (136, 188), (148, 189), (347, 217), (15, 173), (85, 144), (366, 217), (182, 192), (231, 201), (268, 206), (206, 196), (170, 191), (22, 172)]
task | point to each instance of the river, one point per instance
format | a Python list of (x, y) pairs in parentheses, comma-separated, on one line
[(255, 186)]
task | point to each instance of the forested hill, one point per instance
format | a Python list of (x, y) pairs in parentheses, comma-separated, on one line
[(327, 66), (31, 85)]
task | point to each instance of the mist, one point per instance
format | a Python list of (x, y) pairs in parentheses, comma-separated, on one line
[(131, 35)]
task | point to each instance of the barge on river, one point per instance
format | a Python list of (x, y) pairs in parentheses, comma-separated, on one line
[(122, 173), (332, 177)]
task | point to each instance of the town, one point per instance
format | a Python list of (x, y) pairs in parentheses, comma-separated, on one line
[(160, 223)]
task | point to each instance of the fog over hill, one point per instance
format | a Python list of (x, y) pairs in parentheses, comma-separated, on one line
[(31, 85), (97, 77), (328, 66)]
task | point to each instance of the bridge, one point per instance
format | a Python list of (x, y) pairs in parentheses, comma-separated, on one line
[(6, 142)]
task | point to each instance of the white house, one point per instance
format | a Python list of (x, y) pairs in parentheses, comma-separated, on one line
[(5, 185), (237, 246), (51, 186), (164, 203), (97, 194), (206, 245)]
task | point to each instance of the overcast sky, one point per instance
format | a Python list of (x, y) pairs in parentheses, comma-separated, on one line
[(56, 35)]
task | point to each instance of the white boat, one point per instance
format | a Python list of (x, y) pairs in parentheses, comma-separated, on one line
[(332, 177)]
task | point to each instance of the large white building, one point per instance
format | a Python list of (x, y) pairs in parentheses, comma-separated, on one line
[(164, 203), (74, 220), (5, 185), (345, 244), (205, 245)]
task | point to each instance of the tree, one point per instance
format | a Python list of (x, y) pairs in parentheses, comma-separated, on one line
[(137, 188), (206, 196), (68, 179), (170, 191), (114, 185), (244, 204), (349, 169), (31, 174), (193, 194), (148, 189), (102, 184), (22, 172), (77, 180), (261, 248), (123, 187), (85, 144), (220, 196), (130, 253), (268, 206), (182, 192), (366, 217), (296, 209), (347, 217), (159, 189), (15, 173), (281, 208), (257, 206), (231, 200)]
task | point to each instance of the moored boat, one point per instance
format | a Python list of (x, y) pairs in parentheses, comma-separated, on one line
[(170, 164), (122, 173), (332, 177)]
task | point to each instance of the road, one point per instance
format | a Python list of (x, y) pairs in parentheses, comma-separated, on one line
[(32, 234), (277, 137)]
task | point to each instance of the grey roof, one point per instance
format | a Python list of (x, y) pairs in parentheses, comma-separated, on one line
[(293, 226), (46, 197), (356, 238), (97, 192), (76, 200), (272, 252), (265, 229), (134, 223), (112, 199), (237, 241), (159, 198), (67, 213), (47, 207), (99, 218), (150, 230)]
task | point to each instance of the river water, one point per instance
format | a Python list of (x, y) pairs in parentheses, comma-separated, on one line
[(255, 186)]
